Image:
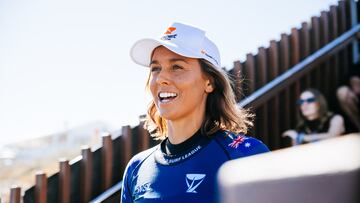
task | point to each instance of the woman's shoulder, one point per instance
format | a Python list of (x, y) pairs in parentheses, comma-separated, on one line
[(336, 118), (239, 145), (137, 159), (338, 121)]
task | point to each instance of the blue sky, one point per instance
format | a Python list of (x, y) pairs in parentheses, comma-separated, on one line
[(66, 63)]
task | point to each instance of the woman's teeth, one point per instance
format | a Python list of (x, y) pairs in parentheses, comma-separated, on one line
[(167, 96)]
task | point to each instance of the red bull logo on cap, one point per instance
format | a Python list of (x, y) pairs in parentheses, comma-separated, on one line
[(168, 34), (170, 30)]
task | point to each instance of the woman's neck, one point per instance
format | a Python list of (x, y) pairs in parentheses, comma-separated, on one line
[(181, 130)]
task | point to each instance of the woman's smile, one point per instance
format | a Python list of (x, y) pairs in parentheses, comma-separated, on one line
[(166, 97)]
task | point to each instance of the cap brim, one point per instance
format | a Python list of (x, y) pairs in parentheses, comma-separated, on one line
[(141, 51)]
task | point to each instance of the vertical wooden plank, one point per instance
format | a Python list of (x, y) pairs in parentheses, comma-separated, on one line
[(40, 187), (127, 144), (250, 82), (15, 194), (244, 83), (262, 115), (305, 50), (284, 53), (326, 85), (344, 60), (342, 16), (295, 88), (261, 68), (86, 174), (250, 70), (107, 161), (295, 46), (324, 28), (348, 14), (284, 95), (64, 181), (273, 113), (274, 64), (334, 25), (136, 140), (237, 77), (144, 137), (315, 33), (333, 34), (305, 40), (315, 42)]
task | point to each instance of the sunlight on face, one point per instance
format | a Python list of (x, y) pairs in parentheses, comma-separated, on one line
[(177, 84)]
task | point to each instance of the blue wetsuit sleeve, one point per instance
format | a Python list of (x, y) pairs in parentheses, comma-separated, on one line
[(258, 147), (125, 192), (243, 146)]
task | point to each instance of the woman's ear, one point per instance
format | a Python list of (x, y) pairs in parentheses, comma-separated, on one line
[(209, 86)]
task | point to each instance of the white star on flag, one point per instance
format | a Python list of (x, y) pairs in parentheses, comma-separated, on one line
[(247, 144)]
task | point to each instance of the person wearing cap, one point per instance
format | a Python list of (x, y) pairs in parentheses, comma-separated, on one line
[(193, 112)]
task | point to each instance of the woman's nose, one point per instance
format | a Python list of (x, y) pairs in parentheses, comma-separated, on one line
[(163, 78)]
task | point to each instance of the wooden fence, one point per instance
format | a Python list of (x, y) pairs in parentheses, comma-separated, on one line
[(88, 175), (95, 171), (280, 113)]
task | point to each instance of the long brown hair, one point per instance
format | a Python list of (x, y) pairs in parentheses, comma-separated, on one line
[(221, 111)]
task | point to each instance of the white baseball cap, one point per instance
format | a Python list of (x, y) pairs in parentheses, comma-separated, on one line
[(182, 39)]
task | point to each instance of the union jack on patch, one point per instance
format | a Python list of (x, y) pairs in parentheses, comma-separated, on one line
[(237, 141)]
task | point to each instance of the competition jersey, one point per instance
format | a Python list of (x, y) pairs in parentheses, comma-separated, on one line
[(189, 176)]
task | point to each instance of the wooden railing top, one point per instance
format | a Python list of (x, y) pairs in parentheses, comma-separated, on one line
[(284, 80)]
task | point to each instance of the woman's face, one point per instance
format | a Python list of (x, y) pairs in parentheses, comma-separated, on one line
[(178, 86), (309, 106)]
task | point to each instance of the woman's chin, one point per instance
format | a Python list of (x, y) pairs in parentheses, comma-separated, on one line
[(167, 115), (311, 117)]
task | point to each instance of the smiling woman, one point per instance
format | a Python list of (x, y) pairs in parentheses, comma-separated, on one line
[(194, 112), (179, 88)]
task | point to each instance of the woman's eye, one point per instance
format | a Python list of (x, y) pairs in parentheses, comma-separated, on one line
[(176, 67), (155, 69)]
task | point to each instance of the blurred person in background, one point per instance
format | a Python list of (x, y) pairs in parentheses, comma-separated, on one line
[(316, 122), (194, 112), (349, 99)]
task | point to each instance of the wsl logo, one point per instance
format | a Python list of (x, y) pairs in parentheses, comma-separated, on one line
[(141, 190), (193, 181)]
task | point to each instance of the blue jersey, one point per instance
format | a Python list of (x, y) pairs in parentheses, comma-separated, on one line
[(190, 176)]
